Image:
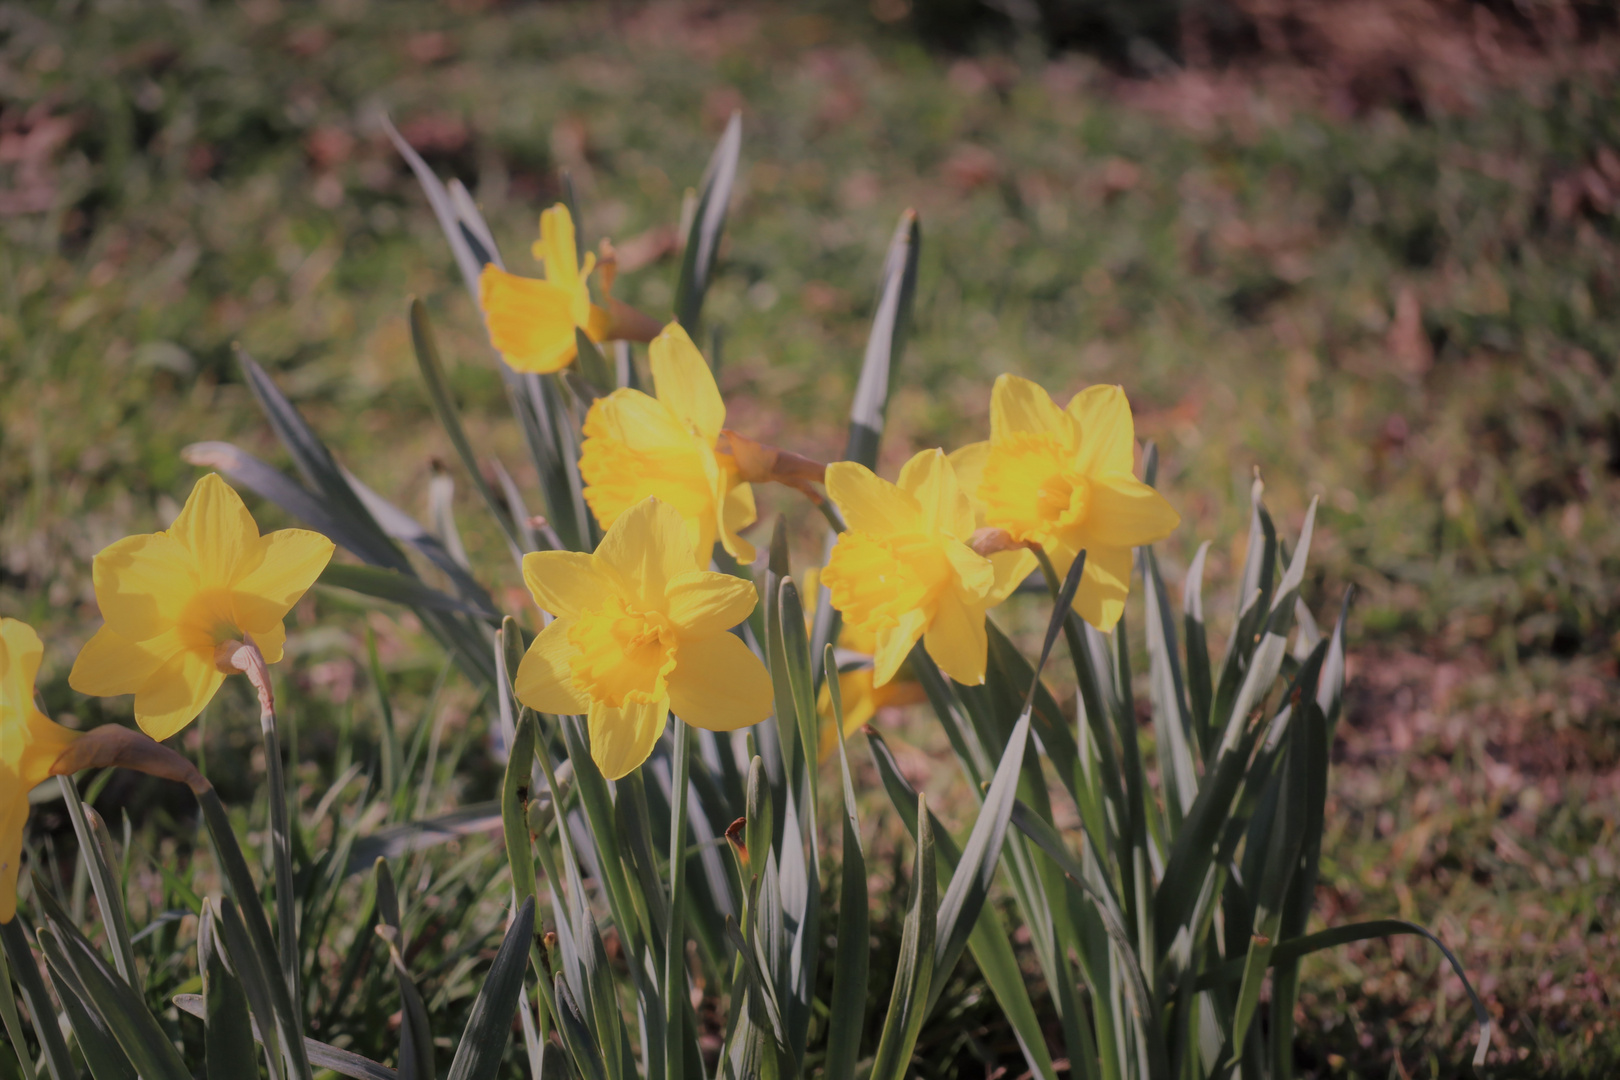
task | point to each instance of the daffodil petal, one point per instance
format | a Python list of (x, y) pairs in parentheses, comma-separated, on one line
[(684, 382), (738, 512), (702, 603), (621, 738), (1020, 405), (567, 582), (1010, 569), (929, 478), (13, 817), (544, 680), (636, 448), (957, 641), (968, 464), (280, 569), (649, 546), (110, 664), (1107, 432), (1104, 585), (217, 529), (530, 322), (272, 643), (173, 696), (894, 645), (975, 574), (1126, 513), (558, 248), (719, 684), (143, 582), (20, 654), (869, 503)]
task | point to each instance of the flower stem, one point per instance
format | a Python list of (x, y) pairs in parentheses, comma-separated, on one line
[(250, 661)]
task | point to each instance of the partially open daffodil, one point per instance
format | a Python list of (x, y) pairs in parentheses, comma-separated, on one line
[(532, 321), (1062, 478), (639, 631), (172, 598), (638, 446), (903, 569), (30, 745)]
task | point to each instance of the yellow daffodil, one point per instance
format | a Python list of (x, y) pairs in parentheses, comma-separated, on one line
[(638, 446), (29, 748), (532, 321), (903, 569), (861, 700), (172, 598), (640, 631), (1062, 478)]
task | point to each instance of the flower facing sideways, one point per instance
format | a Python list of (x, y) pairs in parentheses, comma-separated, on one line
[(172, 598), (532, 321), (903, 569), (1062, 478), (637, 447), (30, 745), (640, 631)]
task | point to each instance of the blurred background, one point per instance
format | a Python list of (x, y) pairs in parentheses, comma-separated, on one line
[(1368, 247)]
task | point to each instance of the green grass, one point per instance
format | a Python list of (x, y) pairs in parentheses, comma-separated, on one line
[(222, 178)]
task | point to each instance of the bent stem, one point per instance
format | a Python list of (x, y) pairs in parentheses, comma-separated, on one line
[(246, 658), (109, 897)]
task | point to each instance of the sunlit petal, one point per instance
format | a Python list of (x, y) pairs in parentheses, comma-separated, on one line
[(719, 684), (1104, 584), (957, 641), (111, 664), (217, 529), (968, 462), (622, 738), (894, 645), (1127, 513), (143, 583), (975, 574), (684, 382), (702, 603), (530, 322), (870, 503), (544, 681), (929, 478), (648, 546), (567, 582), (1107, 432), (173, 696), (277, 570), (1018, 405), (1010, 569), (737, 513)]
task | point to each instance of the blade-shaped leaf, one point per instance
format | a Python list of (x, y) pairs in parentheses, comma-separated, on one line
[(342, 1062), (229, 1048), (708, 222), (896, 291), (847, 1008), (908, 1001), (483, 1041)]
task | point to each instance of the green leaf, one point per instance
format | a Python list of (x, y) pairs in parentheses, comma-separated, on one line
[(897, 289), (1296, 948), (342, 1062), (104, 1057), (576, 1035), (13, 1020), (446, 211), (444, 407), (976, 872), (95, 846), (796, 657), (126, 1016), (483, 1040), (673, 983), (1199, 687), (229, 1048), (515, 797), (909, 1000), (708, 222), (256, 978), (847, 1007), (415, 1030)]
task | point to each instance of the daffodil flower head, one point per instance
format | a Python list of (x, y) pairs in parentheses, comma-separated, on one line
[(1063, 479), (29, 747), (532, 321), (903, 570), (639, 631), (171, 599), (638, 446)]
